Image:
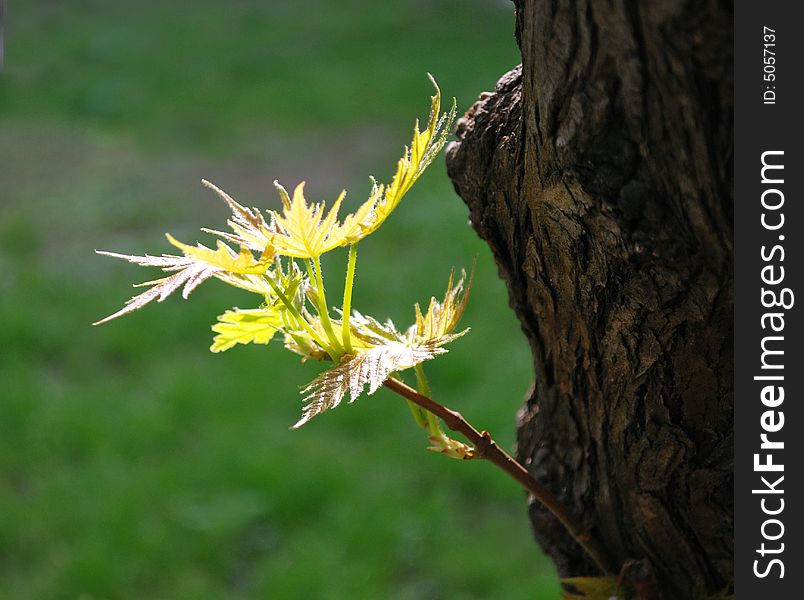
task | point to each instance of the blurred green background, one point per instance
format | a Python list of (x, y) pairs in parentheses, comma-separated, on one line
[(136, 464)]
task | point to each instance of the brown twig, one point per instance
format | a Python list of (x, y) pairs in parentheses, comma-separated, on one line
[(486, 448)]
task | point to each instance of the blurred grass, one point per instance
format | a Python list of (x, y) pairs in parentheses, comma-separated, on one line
[(136, 464)]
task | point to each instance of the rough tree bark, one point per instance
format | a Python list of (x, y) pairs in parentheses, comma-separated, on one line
[(600, 173)]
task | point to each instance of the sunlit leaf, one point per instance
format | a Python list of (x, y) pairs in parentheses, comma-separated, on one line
[(311, 350), (198, 264), (250, 230), (237, 326), (257, 284), (590, 588), (443, 444), (373, 333), (189, 273), (424, 147), (442, 318), (305, 230), (300, 342), (370, 367), (383, 350), (224, 257)]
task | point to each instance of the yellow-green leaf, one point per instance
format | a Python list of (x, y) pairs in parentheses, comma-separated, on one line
[(307, 230), (589, 588), (187, 273), (249, 228), (369, 366), (307, 346), (442, 318), (255, 326), (424, 147), (224, 257)]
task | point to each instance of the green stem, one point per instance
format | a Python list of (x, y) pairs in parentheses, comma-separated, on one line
[(419, 414), (421, 380), (291, 324), (300, 320), (347, 297), (323, 310), (433, 426)]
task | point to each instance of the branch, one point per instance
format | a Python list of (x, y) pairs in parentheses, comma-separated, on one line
[(487, 448)]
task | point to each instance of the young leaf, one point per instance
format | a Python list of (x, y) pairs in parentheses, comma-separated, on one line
[(257, 284), (590, 588), (245, 327), (303, 230), (306, 230), (442, 317), (250, 229), (198, 264), (443, 444), (423, 148), (370, 367), (373, 333), (314, 350), (291, 282), (225, 258), (190, 273), (385, 350)]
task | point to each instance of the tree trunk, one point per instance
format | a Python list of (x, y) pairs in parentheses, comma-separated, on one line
[(600, 174)]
